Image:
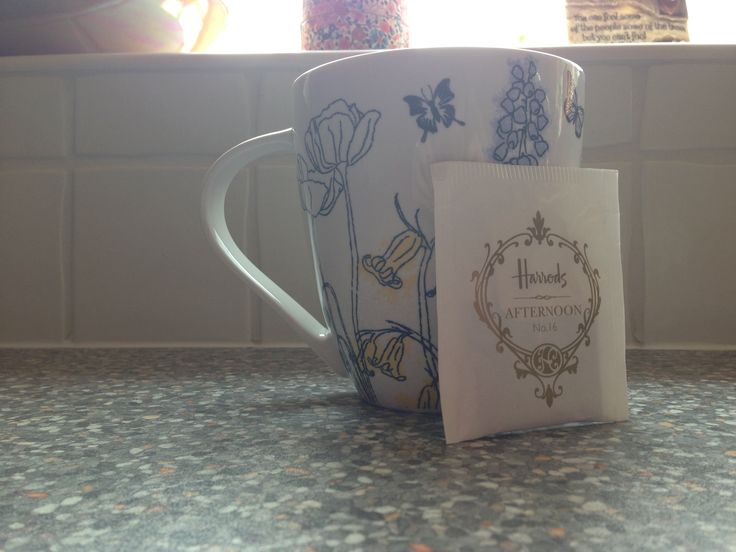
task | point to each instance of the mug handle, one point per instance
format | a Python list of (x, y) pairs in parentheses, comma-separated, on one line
[(218, 179)]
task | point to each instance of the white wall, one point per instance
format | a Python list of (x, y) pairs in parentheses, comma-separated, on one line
[(102, 157)]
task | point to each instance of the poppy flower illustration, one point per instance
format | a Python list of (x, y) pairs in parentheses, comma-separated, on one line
[(523, 120), (433, 107), (335, 139), (340, 134), (317, 192)]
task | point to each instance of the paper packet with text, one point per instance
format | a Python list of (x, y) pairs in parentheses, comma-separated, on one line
[(529, 297)]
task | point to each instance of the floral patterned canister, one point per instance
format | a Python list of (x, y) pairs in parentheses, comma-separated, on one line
[(354, 24)]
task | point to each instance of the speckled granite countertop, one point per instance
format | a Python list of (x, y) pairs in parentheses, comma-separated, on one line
[(264, 449)]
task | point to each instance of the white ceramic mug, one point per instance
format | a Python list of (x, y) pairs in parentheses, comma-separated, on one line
[(366, 129)]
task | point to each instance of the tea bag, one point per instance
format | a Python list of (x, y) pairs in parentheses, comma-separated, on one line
[(529, 297)]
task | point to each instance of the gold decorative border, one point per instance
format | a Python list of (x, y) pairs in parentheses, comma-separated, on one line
[(546, 362)]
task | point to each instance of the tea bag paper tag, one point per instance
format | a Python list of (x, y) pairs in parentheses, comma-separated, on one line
[(529, 297)]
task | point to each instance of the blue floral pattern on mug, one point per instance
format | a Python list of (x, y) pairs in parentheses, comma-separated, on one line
[(433, 107), (336, 138), (385, 267), (523, 120), (574, 112), (334, 141)]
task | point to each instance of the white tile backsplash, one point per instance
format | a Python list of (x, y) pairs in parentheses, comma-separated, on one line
[(32, 268), (143, 269), (690, 107), (608, 109), (285, 250), (630, 224), (153, 113), (274, 101), (688, 221), (101, 161), (32, 117)]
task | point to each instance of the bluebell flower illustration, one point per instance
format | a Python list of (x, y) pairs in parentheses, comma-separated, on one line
[(402, 249), (335, 139), (574, 112), (383, 351), (433, 107), (429, 398), (523, 120)]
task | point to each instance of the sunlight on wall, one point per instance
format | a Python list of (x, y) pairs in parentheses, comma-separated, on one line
[(712, 21), (488, 23), (258, 26)]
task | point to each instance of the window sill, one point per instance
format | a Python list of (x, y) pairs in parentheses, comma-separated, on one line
[(623, 53)]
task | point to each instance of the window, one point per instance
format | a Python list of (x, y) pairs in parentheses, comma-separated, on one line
[(274, 25)]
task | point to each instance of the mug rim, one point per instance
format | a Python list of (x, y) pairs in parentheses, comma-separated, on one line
[(444, 49)]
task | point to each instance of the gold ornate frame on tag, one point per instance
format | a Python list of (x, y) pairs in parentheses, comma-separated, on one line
[(547, 361)]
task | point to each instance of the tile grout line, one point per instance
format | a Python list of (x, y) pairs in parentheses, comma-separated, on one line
[(251, 232), (66, 235), (637, 260)]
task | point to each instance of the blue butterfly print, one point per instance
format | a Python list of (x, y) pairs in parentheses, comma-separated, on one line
[(432, 107), (574, 112)]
